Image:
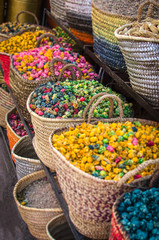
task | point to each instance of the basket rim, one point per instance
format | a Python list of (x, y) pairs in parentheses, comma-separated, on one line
[(130, 38), (79, 171), (43, 119), (96, 6), (53, 219), (7, 122), (31, 208), (30, 160)]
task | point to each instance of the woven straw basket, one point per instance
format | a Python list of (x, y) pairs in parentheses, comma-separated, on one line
[(6, 104), (58, 10), (117, 230), (25, 157), (13, 138), (78, 14), (35, 218), (58, 229), (90, 199), (6, 36), (142, 60)]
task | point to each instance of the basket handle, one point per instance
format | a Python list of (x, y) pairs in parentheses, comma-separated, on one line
[(136, 170), (66, 66), (150, 10), (46, 35), (102, 96), (30, 13)]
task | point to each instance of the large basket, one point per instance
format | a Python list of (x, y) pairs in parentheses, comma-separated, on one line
[(142, 60), (35, 218), (90, 199), (58, 229), (82, 36), (58, 10), (6, 104), (25, 157)]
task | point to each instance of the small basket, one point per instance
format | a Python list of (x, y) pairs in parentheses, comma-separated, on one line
[(58, 229), (13, 138), (90, 199), (25, 157), (6, 104), (117, 231), (35, 218), (6, 36), (142, 60)]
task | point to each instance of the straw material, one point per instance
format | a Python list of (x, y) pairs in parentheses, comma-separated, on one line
[(6, 104), (25, 158), (90, 199), (58, 10), (84, 37), (13, 138), (35, 218), (142, 61), (78, 15), (104, 24), (58, 229)]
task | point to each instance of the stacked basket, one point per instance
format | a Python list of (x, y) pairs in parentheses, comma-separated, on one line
[(107, 16), (58, 10), (141, 54), (78, 15)]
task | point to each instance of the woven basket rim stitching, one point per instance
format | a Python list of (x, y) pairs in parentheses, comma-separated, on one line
[(130, 38), (59, 217), (80, 171), (30, 160), (31, 208), (109, 13), (7, 122)]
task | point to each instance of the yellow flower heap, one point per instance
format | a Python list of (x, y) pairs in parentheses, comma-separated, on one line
[(20, 43), (109, 150)]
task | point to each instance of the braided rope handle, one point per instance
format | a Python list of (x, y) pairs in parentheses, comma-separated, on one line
[(66, 66), (150, 10), (30, 13), (46, 35), (136, 170), (103, 95)]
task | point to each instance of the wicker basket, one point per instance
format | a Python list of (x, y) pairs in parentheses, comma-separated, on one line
[(6, 104), (13, 138), (82, 36), (6, 36), (58, 10), (90, 199), (58, 229), (78, 14), (35, 218), (25, 157), (142, 61), (117, 231)]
